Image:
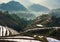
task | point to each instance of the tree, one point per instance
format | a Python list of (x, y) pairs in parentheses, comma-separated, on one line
[(12, 21)]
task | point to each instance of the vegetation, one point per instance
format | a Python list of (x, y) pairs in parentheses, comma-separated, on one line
[(12, 21), (20, 24), (47, 20)]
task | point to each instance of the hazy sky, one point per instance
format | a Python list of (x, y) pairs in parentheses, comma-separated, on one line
[(48, 3)]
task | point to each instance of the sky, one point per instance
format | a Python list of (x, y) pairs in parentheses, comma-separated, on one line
[(51, 4)]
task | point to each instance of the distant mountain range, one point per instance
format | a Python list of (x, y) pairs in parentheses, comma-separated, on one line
[(16, 6), (38, 8), (12, 6)]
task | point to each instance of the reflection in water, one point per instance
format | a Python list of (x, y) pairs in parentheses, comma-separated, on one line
[(5, 32), (52, 40), (28, 39)]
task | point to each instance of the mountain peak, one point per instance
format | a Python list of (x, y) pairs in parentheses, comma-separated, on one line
[(38, 8), (13, 2), (12, 6)]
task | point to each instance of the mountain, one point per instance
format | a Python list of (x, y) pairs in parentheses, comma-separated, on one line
[(12, 21), (28, 16), (38, 8), (12, 6), (55, 12)]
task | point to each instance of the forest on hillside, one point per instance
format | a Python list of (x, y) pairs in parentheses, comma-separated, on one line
[(13, 21)]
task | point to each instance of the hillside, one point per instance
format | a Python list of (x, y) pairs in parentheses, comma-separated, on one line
[(55, 12), (38, 8), (52, 19), (12, 21), (28, 16), (12, 6)]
